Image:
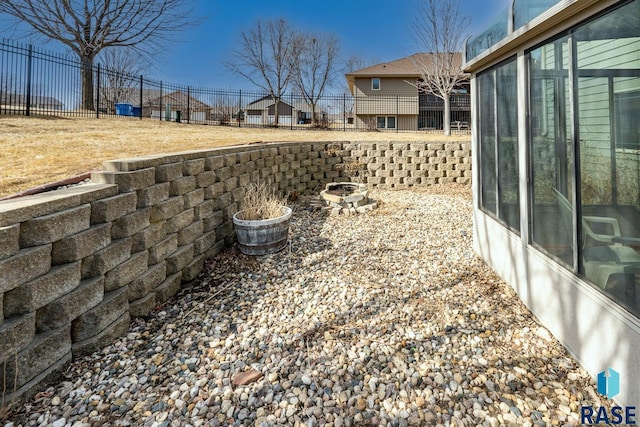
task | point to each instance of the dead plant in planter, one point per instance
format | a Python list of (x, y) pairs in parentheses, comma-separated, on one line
[(261, 202)]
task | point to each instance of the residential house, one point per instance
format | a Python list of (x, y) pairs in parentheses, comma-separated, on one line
[(177, 104), (38, 102), (386, 97), (291, 111), (556, 183)]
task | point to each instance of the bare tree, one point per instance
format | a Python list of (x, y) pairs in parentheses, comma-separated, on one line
[(440, 30), (122, 68), (314, 67), (87, 27), (263, 57)]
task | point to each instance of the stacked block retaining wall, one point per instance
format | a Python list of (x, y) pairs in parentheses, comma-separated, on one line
[(76, 265)]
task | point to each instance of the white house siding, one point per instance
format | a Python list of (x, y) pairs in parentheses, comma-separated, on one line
[(595, 117)]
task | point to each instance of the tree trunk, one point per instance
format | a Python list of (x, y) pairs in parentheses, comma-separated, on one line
[(86, 75), (277, 111), (314, 120), (446, 115)]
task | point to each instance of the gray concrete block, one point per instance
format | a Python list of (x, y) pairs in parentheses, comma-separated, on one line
[(204, 243), (153, 195), (45, 350), (62, 311), (193, 269), (21, 209), (9, 240), (39, 292), (81, 245), (109, 334), (223, 174), (180, 221), (106, 259), (179, 259), (214, 191), (106, 210), (168, 172), (49, 376), (149, 280), (203, 210), (143, 306), (130, 224), (93, 322), (16, 334), (24, 266), (167, 209), (222, 201), (215, 249), (213, 163), (206, 179), (193, 167), (163, 249), (126, 181), (148, 237), (168, 288), (183, 185), (55, 226), (190, 233), (212, 222), (194, 198), (124, 273), (225, 230), (238, 194)]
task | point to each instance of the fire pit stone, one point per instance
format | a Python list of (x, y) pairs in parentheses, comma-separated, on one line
[(347, 197)]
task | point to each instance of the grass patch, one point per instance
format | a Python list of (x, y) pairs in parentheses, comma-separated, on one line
[(38, 150)]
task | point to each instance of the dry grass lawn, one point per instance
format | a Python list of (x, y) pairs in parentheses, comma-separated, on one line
[(35, 151)]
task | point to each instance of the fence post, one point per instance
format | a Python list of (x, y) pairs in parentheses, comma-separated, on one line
[(397, 113), (188, 105), (240, 108), (98, 92), (344, 112), (160, 114), (28, 95), (292, 110), (141, 92)]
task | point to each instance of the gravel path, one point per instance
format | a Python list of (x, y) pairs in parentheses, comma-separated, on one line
[(385, 318)]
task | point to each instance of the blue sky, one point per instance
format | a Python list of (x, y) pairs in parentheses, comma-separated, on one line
[(379, 30)]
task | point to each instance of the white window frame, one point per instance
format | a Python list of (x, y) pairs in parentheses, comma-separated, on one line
[(373, 83)]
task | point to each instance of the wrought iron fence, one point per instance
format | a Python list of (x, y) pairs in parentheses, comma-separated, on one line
[(36, 82)]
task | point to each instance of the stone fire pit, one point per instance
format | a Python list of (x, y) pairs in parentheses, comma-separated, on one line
[(347, 197)]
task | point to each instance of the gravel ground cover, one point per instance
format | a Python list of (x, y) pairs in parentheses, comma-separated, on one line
[(385, 318)]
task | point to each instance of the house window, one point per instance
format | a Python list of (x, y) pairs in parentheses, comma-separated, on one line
[(626, 109), (386, 122), (375, 83), (499, 171)]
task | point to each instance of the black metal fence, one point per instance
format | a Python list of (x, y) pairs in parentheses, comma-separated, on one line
[(36, 82)]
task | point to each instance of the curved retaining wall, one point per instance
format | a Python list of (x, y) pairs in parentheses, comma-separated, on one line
[(77, 264)]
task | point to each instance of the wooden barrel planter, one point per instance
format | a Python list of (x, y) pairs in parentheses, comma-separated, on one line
[(262, 236)]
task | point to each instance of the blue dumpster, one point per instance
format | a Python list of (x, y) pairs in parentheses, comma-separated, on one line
[(136, 111), (124, 109)]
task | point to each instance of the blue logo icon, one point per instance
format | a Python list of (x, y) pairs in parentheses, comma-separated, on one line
[(609, 385)]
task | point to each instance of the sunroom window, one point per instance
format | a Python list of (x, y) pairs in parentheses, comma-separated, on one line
[(498, 135), (585, 162)]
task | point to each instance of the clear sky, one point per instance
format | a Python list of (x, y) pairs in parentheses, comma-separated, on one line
[(375, 29)]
